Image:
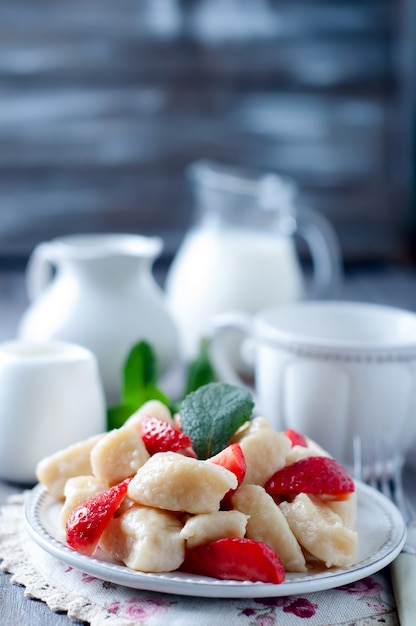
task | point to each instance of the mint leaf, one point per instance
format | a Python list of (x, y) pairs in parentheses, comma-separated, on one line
[(139, 384), (117, 415), (139, 372), (200, 371), (140, 377), (211, 415)]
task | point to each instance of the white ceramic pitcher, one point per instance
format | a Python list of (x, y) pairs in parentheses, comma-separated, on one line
[(98, 291), (240, 253)]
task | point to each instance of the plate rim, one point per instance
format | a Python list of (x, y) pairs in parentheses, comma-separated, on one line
[(180, 583)]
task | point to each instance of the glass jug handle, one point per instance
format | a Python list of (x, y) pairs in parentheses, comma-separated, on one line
[(39, 270), (324, 247)]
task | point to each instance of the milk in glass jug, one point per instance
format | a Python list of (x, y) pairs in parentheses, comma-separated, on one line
[(240, 253)]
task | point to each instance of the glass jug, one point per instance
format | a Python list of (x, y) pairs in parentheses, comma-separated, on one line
[(240, 253)]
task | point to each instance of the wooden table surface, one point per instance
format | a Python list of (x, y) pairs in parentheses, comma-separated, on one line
[(390, 286)]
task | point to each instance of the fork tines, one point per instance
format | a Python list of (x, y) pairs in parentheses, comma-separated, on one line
[(377, 464)]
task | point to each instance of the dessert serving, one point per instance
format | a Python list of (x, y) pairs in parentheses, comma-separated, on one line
[(212, 491)]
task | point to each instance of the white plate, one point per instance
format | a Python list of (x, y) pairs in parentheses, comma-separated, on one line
[(380, 527)]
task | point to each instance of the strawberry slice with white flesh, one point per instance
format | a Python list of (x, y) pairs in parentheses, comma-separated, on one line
[(296, 438), (316, 475), (87, 522), (232, 458), (160, 436), (234, 558)]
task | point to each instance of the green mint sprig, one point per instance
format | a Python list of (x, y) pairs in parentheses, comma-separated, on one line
[(211, 415), (140, 376), (200, 371), (139, 384)]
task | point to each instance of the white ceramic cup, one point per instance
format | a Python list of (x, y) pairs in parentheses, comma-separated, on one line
[(330, 370), (50, 397)]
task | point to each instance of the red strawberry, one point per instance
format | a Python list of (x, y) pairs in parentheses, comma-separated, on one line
[(318, 475), (160, 436), (296, 438), (234, 558), (232, 458), (87, 522)]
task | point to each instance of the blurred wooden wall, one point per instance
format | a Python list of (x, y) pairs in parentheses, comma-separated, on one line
[(103, 104)]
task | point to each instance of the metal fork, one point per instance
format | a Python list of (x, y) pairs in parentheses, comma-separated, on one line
[(376, 464)]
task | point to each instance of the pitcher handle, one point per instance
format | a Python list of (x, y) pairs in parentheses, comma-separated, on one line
[(232, 321), (323, 244), (39, 270)]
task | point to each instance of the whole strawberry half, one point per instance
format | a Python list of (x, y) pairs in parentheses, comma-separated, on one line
[(87, 522), (160, 436), (296, 438), (317, 475), (234, 558)]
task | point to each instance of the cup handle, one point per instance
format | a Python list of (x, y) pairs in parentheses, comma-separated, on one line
[(323, 243), (233, 321), (39, 270)]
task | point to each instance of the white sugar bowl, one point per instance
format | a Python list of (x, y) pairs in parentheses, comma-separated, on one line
[(51, 396)]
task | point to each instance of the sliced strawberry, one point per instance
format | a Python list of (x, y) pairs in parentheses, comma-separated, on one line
[(234, 558), (318, 475), (296, 438), (160, 436), (87, 522), (232, 458)]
